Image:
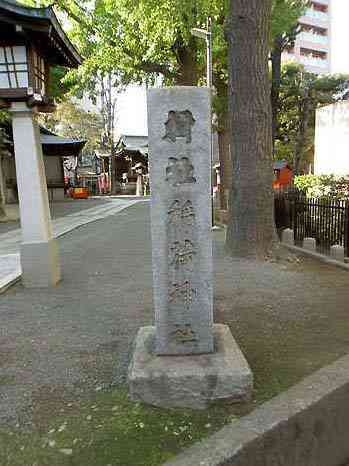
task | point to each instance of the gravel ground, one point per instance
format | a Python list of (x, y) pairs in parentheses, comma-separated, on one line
[(289, 316)]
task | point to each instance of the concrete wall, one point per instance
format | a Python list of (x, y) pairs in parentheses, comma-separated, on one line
[(332, 139), (306, 426)]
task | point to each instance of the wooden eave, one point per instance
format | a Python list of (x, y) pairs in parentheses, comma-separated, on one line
[(41, 26)]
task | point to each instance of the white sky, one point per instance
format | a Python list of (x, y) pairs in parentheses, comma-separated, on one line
[(132, 112), (340, 36)]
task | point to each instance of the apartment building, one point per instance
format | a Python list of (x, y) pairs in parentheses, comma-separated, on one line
[(313, 45)]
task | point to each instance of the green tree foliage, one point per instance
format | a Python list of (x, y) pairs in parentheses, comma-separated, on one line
[(143, 39), (324, 186), (59, 87), (285, 15), (300, 94), (70, 120)]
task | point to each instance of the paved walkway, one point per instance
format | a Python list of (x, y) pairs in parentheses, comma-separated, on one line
[(10, 269)]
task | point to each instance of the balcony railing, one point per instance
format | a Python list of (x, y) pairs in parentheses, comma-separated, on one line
[(317, 14), (315, 38), (314, 62)]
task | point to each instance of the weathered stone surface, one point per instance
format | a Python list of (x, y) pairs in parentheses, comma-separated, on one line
[(287, 236), (179, 155), (189, 381), (309, 244), (40, 264), (337, 252)]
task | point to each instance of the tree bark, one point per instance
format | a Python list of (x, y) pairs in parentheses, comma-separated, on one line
[(187, 72), (275, 85), (224, 159), (302, 132), (223, 131), (251, 230), (108, 114)]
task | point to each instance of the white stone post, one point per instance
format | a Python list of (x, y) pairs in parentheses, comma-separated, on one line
[(337, 252), (309, 244), (139, 185), (39, 253), (287, 236)]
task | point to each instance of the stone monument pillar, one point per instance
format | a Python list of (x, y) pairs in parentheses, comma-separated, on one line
[(39, 253), (180, 180), (175, 363)]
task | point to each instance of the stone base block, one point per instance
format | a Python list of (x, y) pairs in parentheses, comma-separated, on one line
[(309, 244), (192, 381), (287, 236), (337, 252), (40, 264)]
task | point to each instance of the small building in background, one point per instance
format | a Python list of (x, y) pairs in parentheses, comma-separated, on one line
[(55, 149), (283, 174), (131, 152), (332, 139)]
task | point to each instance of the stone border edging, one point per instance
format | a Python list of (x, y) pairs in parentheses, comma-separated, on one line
[(11, 279), (316, 255), (308, 425)]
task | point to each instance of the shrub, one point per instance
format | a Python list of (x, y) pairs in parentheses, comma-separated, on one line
[(323, 186)]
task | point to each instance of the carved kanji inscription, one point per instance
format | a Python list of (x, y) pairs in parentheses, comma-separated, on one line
[(182, 253), (181, 213), (179, 171), (179, 125), (183, 293)]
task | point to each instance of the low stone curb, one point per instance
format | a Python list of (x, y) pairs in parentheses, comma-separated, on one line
[(9, 280), (10, 263), (307, 425), (316, 255)]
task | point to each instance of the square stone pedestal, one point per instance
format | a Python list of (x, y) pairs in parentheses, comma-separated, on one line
[(192, 381), (40, 264)]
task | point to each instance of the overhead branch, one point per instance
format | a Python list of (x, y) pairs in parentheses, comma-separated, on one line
[(80, 19), (152, 67)]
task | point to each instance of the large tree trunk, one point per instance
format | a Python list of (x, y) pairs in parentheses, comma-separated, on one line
[(251, 229), (302, 132), (275, 85), (187, 72), (224, 160), (223, 140)]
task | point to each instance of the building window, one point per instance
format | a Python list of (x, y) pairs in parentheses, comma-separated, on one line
[(13, 67), (313, 54), (319, 7), (39, 73)]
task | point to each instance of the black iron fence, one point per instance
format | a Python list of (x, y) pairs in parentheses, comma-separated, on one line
[(326, 220)]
